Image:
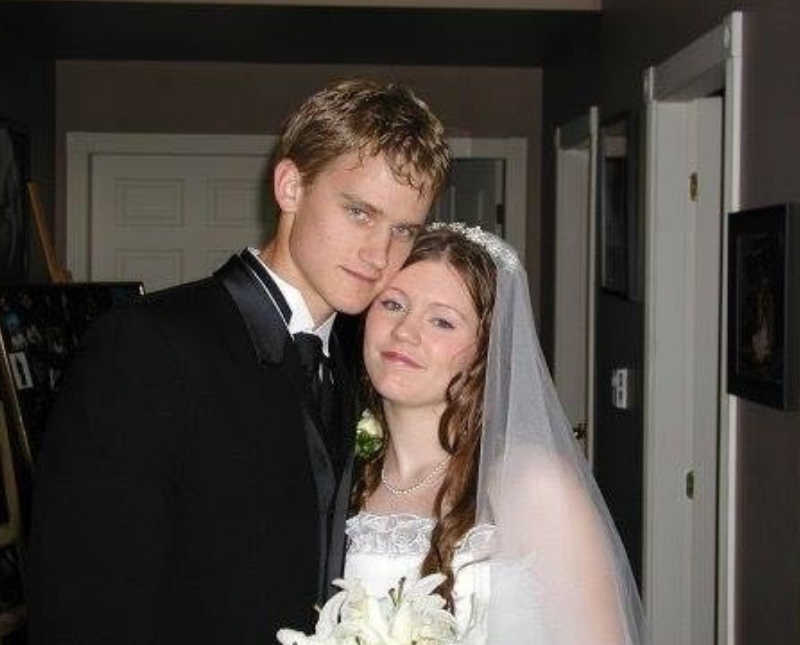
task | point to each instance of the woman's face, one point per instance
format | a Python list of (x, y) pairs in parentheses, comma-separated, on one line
[(420, 332)]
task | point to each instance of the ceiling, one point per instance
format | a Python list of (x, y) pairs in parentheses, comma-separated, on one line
[(295, 34), (561, 5)]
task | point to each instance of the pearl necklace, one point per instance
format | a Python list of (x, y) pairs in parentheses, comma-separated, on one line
[(422, 482)]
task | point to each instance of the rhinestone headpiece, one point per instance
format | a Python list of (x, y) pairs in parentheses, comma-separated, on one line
[(503, 255)]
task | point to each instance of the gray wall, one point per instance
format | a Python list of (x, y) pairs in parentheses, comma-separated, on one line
[(768, 534), (108, 96), (638, 33)]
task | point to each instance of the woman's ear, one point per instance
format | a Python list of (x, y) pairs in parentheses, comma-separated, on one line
[(287, 184)]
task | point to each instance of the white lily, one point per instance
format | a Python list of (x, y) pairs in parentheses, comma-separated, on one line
[(413, 616)]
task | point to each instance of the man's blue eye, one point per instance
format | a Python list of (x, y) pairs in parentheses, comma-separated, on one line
[(391, 305), (358, 213)]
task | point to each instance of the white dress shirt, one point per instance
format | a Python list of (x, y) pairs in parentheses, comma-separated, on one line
[(301, 320)]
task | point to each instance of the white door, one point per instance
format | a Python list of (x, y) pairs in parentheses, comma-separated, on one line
[(576, 179), (168, 219), (682, 336), (488, 186)]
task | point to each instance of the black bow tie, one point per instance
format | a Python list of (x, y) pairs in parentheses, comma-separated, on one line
[(319, 376)]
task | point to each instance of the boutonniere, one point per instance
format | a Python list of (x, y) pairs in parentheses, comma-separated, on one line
[(369, 435)]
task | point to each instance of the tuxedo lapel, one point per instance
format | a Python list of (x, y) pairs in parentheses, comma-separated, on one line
[(265, 325), (273, 345), (346, 386)]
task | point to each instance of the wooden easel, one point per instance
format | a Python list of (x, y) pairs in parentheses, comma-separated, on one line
[(13, 618), (58, 274)]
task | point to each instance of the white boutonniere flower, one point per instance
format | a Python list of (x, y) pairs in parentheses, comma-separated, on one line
[(369, 435)]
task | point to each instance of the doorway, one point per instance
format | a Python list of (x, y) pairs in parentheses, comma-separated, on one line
[(576, 185), (598, 330)]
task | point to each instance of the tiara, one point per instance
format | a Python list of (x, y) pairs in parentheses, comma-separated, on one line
[(502, 254)]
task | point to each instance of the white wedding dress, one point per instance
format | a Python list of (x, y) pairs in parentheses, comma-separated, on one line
[(381, 549)]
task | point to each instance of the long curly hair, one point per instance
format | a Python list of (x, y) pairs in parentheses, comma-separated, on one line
[(461, 424)]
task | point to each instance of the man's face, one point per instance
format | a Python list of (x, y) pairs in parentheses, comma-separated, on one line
[(349, 231)]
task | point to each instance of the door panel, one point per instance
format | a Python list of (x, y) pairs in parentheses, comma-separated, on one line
[(684, 218), (707, 232), (171, 219), (572, 235)]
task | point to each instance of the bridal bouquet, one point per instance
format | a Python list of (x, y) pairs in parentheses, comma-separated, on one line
[(413, 616)]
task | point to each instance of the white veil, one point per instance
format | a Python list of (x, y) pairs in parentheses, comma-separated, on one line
[(559, 573)]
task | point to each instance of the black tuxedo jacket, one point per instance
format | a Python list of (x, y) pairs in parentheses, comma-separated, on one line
[(183, 492)]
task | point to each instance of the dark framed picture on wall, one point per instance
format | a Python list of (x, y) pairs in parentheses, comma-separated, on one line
[(617, 199), (764, 305)]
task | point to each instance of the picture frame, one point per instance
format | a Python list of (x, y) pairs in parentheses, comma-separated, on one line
[(764, 305), (619, 248), (41, 326)]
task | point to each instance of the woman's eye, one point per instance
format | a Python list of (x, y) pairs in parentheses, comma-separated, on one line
[(442, 323), (403, 232)]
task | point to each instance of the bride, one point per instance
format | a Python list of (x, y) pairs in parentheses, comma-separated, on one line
[(478, 476)]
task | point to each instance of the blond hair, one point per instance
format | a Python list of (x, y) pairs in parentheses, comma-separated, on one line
[(369, 118)]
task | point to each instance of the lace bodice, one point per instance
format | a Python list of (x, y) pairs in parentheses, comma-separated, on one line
[(381, 549)]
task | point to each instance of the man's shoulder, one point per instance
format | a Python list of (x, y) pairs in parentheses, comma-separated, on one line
[(183, 297), (194, 303), (180, 312)]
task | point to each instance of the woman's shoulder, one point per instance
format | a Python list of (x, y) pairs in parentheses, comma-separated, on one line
[(477, 541)]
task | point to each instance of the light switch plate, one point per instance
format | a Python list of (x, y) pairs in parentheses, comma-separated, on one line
[(621, 388)]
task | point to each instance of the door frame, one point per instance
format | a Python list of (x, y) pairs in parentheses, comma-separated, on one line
[(83, 146), (577, 137), (712, 63)]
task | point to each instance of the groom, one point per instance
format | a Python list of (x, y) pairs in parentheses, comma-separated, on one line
[(194, 480)]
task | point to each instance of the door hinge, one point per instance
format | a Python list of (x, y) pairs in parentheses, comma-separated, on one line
[(690, 484), (694, 187)]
